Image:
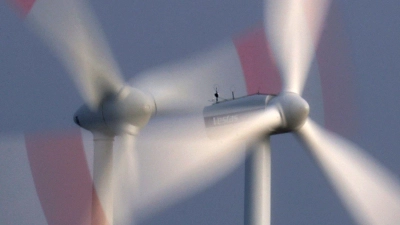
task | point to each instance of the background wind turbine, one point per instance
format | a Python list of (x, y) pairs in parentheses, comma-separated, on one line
[(367, 63)]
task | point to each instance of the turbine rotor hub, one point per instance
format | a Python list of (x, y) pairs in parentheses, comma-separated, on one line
[(125, 112), (294, 111)]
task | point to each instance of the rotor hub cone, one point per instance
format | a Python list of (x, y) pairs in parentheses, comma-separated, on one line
[(293, 109)]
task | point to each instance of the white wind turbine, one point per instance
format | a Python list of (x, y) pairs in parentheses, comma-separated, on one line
[(112, 109), (370, 193)]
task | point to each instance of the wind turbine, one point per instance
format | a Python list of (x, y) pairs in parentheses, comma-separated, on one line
[(112, 107), (369, 192), (364, 186), (110, 90)]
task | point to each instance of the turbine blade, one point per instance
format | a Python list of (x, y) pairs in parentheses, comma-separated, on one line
[(370, 192), (293, 28), (115, 176), (72, 31), (178, 159), (102, 179), (126, 179), (187, 86)]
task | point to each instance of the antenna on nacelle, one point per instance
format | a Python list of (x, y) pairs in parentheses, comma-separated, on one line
[(216, 94), (233, 88)]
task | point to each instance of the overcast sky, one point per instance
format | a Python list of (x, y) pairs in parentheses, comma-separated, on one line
[(37, 93)]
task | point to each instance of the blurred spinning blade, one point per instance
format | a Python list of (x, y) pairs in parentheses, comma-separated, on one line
[(186, 86), (178, 159), (126, 176), (369, 191), (71, 29), (294, 27)]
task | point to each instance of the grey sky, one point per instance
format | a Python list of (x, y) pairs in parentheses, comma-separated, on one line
[(37, 93)]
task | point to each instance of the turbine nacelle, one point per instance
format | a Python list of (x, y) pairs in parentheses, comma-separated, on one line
[(229, 116), (232, 116), (127, 112)]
